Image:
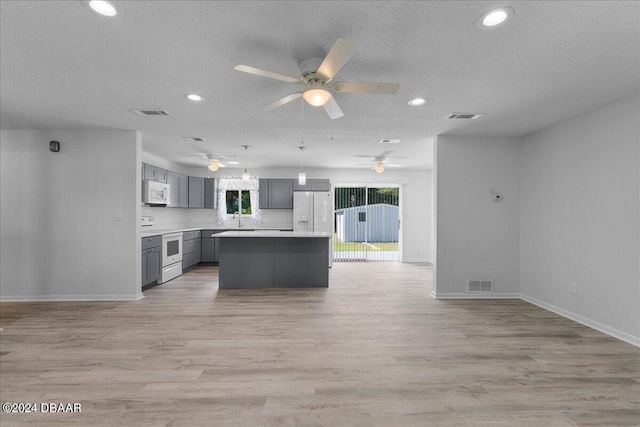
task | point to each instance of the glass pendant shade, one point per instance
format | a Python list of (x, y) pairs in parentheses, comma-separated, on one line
[(302, 178), (316, 97), (245, 175)]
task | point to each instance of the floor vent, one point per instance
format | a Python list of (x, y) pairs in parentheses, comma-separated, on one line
[(475, 286), (464, 116), (151, 112)]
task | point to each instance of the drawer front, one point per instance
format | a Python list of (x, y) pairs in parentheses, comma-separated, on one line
[(188, 235), (151, 242), (188, 246), (188, 260)]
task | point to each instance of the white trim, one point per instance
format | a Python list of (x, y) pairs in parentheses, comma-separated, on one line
[(475, 295), (633, 340), (60, 298)]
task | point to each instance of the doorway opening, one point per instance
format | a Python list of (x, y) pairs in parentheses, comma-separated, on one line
[(367, 224)]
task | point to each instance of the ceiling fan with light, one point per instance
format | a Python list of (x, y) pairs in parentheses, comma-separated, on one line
[(379, 163), (216, 162), (317, 78)]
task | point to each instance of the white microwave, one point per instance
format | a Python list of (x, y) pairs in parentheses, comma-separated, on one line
[(156, 193)]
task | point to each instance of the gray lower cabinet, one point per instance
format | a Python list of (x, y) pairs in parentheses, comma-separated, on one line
[(210, 246), (151, 259), (276, 194), (191, 249), (196, 192)]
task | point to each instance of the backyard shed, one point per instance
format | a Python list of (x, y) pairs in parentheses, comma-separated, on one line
[(371, 223)]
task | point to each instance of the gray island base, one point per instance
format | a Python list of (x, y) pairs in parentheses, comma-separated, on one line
[(272, 259)]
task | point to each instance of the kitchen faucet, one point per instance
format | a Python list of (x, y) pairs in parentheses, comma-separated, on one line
[(239, 218)]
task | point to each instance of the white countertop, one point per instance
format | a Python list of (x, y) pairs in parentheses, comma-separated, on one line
[(274, 233), (150, 231)]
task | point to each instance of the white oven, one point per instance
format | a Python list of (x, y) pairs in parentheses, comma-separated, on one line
[(171, 256)]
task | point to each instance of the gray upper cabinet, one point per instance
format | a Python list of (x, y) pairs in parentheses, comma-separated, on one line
[(313, 185), (154, 173), (196, 192), (179, 192), (210, 193), (276, 194), (183, 191), (320, 185), (173, 179)]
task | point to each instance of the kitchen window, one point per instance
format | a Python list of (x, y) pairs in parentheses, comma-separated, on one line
[(238, 201)]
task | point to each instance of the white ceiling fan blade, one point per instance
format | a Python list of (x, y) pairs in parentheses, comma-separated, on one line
[(332, 109), (339, 54), (265, 73), (282, 101), (368, 87)]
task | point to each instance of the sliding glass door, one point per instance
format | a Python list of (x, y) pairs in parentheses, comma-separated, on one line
[(367, 224)]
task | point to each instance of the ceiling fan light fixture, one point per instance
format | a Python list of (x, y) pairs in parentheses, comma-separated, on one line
[(316, 97), (495, 17), (379, 168)]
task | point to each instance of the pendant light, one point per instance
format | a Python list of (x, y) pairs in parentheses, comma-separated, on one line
[(245, 174), (302, 177)]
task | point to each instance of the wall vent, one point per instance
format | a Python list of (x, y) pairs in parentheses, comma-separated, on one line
[(389, 141), (464, 116), (476, 286), (151, 112), (193, 139)]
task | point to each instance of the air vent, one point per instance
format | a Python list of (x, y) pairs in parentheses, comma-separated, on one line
[(464, 116), (193, 139), (389, 141), (152, 112), (475, 286)]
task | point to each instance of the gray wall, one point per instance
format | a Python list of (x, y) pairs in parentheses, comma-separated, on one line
[(580, 217), (59, 239), (477, 238)]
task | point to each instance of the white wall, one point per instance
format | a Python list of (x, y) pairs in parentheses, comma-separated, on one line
[(580, 218), (477, 238), (59, 239)]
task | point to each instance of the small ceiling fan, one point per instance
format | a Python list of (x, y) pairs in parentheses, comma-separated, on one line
[(379, 163), (217, 161), (316, 77)]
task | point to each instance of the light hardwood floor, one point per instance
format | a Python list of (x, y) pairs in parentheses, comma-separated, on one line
[(372, 349)]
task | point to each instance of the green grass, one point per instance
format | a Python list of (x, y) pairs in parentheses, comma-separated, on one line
[(340, 246)]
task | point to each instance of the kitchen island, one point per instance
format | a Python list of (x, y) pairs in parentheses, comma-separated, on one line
[(273, 259)]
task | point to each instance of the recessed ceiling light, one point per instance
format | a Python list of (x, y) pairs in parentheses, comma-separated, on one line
[(194, 97), (102, 7), (495, 17), (416, 102)]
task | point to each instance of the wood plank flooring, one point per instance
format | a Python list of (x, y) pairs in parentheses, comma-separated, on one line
[(372, 349)]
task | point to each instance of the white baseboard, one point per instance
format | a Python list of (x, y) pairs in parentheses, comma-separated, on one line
[(488, 295), (633, 340), (52, 298)]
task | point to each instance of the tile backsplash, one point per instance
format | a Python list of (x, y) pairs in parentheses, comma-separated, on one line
[(179, 217)]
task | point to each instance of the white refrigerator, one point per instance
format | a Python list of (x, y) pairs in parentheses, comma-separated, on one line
[(313, 211)]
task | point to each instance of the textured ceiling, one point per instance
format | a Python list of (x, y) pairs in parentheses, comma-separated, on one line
[(63, 66)]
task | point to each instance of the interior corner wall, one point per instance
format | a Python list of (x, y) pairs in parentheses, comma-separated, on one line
[(60, 237), (580, 220), (476, 237)]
